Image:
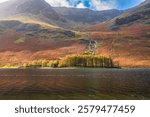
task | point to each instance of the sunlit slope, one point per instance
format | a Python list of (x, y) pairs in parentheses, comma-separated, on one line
[(25, 19), (22, 41), (34, 9), (31, 31), (126, 38)]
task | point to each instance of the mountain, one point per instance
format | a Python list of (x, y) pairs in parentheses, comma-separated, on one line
[(33, 18), (138, 14), (31, 30), (86, 16), (126, 37), (62, 17), (145, 2), (27, 7), (34, 30), (34, 9)]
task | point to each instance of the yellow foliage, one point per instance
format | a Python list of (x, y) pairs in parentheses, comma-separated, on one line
[(71, 61), (9, 66), (86, 61)]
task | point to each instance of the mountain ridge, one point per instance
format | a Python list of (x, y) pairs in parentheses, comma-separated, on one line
[(31, 35), (41, 10), (87, 16), (126, 38), (36, 9)]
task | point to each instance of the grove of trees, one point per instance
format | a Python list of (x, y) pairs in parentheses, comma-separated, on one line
[(73, 61)]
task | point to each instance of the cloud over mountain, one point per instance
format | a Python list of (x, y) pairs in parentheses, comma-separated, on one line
[(58, 3), (93, 4)]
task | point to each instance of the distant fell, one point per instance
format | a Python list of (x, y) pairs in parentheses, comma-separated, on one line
[(37, 9), (139, 14), (86, 16), (62, 17)]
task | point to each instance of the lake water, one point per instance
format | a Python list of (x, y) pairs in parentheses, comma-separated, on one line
[(83, 83)]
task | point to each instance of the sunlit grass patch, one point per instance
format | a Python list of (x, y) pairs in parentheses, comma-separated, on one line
[(20, 40)]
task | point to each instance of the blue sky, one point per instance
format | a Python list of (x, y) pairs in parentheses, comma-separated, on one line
[(124, 4), (93, 4)]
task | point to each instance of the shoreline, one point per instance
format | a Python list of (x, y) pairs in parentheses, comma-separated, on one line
[(69, 68)]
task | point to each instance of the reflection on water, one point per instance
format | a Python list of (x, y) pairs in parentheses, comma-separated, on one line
[(75, 84)]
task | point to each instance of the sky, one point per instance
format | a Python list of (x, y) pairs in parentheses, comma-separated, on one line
[(93, 4)]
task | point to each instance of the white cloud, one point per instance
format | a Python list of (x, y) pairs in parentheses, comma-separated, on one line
[(100, 5), (58, 3), (94, 4), (81, 5), (3, 1)]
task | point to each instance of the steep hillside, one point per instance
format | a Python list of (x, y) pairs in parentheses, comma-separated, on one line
[(145, 2), (140, 14), (22, 42), (37, 9), (129, 46), (33, 7), (126, 38), (86, 16), (31, 31)]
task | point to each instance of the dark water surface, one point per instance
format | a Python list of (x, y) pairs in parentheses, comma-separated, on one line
[(81, 83)]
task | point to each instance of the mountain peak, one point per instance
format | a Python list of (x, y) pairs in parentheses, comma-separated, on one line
[(145, 2), (27, 7)]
